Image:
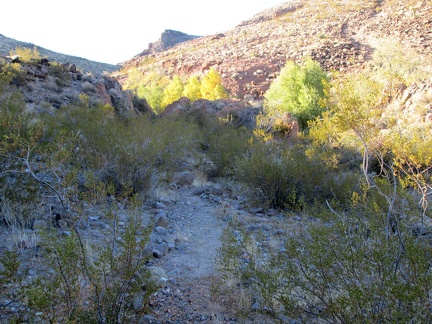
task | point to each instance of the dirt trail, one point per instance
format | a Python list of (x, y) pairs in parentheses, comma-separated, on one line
[(198, 230), (189, 270)]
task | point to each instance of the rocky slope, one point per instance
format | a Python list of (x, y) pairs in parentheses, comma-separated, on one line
[(49, 85), (9, 44), (341, 35)]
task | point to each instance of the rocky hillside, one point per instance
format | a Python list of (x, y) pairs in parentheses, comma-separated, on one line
[(49, 85), (340, 34), (9, 44)]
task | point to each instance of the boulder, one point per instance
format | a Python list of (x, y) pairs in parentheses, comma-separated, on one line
[(237, 112), (102, 94)]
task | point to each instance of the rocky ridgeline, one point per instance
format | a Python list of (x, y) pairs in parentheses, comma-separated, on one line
[(340, 38), (48, 85), (169, 38), (9, 44)]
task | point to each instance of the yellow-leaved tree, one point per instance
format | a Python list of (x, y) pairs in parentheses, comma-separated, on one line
[(211, 86), (173, 91), (192, 89)]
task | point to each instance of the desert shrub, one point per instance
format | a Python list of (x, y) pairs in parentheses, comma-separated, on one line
[(20, 133), (88, 87), (92, 282), (364, 118), (301, 90), (26, 54), (12, 74), (394, 65), (222, 143), (368, 262), (127, 151), (285, 177), (344, 271)]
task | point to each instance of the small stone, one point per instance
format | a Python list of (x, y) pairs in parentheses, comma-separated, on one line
[(256, 210), (147, 319), (138, 302), (159, 240), (162, 221), (72, 68), (171, 246), (163, 248), (157, 254), (160, 230), (181, 246), (160, 205)]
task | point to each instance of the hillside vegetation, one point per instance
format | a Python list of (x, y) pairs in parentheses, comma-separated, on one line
[(346, 152)]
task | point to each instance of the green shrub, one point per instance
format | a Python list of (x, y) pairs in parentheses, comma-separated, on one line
[(284, 177), (300, 90), (88, 282), (222, 143), (153, 95), (127, 152)]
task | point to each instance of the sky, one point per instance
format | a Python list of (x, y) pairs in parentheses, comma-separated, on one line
[(115, 31)]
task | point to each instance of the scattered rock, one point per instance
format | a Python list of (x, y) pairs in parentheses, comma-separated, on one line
[(159, 230)]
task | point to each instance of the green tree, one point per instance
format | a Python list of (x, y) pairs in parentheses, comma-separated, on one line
[(192, 89), (173, 91), (300, 90), (153, 94), (211, 86)]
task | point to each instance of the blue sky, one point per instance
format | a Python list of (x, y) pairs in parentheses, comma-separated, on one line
[(115, 31)]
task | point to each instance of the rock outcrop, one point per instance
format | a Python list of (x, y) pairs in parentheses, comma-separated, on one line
[(50, 85), (238, 113), (169, 38)]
